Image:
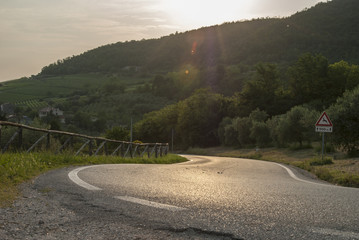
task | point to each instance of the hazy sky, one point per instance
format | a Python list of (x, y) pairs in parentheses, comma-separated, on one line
[(35, 33)]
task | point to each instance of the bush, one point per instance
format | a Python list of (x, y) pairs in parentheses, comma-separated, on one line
[(344, 116), (244, 126), (318, 161), (295, 147), (324, 174), (260, 133), (296, 126), (348, 180)]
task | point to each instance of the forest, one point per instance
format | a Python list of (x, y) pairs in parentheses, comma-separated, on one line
[(328, 28), (261, 82), (268, 111)]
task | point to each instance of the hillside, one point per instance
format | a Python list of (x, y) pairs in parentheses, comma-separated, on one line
[(312, 57), (328, 28)]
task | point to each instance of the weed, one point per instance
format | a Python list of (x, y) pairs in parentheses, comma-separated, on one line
[(324, 174), (45, 190), (318, 161), (295, 147), (327, 149)]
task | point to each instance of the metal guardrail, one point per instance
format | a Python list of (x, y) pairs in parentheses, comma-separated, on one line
[(94, 145)]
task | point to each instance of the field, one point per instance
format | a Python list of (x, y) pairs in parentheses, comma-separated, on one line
[(35, 93)]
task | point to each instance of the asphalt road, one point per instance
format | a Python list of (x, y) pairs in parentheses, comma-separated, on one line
[(212, 198)]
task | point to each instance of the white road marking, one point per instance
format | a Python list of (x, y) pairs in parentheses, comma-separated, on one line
[(337, 233), (151, 204), (302, 180), (73, 177)]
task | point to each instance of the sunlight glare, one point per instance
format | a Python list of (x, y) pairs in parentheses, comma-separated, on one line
[(197, 13)]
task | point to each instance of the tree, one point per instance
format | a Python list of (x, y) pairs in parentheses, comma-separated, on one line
[(344, 115), (343, 76), (309, 79), (198, 119), (157, 126), (297, 125), (118, 133), (163, 87), (243, 126), (260, 133), (222, 129), (262, 91)]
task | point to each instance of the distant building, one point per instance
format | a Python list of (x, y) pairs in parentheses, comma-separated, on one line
[(44, 112), (132, 68)]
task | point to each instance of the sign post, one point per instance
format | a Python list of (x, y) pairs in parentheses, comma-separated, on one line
[(323, 125)]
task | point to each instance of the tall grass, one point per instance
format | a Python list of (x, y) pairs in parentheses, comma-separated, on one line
[(16, 168)]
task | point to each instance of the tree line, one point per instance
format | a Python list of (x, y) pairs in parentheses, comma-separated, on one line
[(267, 111)]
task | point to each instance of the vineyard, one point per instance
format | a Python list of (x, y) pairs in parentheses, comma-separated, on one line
[(36, 104)]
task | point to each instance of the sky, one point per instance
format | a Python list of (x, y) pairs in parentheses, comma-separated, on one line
[(36, 33)]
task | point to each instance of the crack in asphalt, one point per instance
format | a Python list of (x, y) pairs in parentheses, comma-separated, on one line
[(201, 233)]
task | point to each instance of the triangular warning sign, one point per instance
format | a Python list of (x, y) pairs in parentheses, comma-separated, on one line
[(324, 121)]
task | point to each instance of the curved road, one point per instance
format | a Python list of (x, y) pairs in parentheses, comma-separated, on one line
[(222, 198)]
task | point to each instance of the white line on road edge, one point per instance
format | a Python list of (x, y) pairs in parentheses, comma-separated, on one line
[(150, 204), (301, 180), (73, 177)]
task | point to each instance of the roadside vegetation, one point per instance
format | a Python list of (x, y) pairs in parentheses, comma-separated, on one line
[(245, 93), (17, 168)]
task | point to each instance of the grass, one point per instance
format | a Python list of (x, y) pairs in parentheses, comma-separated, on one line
[(16, 168), (334, 168)]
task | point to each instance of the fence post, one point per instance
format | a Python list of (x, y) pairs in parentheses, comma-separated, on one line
[(17, 138), (90, 147), (131, 150), (121, 150), (105, 148), (48, 141), (166, 149), (10, 141), (20, 138)]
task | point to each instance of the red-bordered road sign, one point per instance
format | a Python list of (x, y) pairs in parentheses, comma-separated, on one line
[(324, 124)]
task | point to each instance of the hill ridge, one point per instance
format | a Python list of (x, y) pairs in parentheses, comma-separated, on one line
[(327, 28)]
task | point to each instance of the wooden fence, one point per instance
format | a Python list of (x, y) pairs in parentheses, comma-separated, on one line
[(12, 139)]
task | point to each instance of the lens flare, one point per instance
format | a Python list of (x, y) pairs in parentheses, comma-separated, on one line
[(194, 48)]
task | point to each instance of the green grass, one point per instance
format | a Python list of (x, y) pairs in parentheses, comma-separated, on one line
[(17, 168)]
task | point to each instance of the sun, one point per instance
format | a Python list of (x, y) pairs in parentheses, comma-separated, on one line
[(195, 13)]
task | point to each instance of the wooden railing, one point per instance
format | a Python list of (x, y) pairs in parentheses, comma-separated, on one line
[(73, 142)]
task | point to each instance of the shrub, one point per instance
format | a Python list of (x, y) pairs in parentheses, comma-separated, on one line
[(317, 161), (260, 132)]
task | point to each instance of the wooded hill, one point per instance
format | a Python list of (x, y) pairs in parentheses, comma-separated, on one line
[(261, 83), (330, 29)]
